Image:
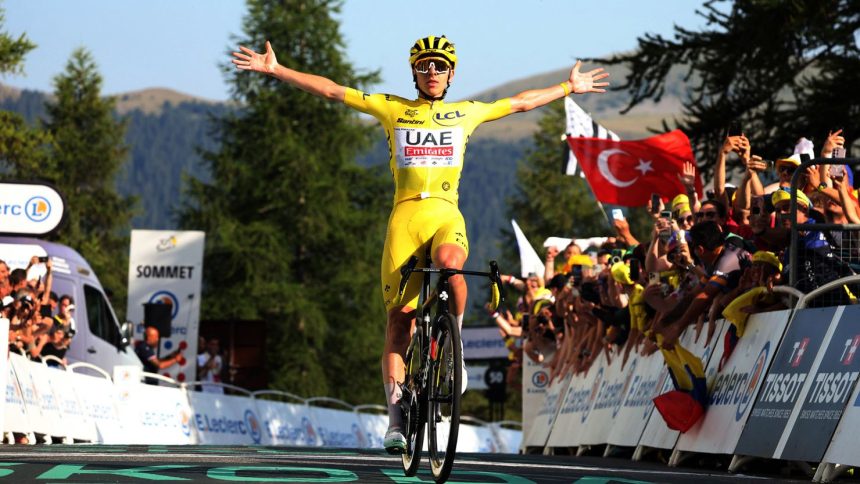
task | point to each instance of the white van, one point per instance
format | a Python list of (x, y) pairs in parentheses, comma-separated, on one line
[(100, 339)]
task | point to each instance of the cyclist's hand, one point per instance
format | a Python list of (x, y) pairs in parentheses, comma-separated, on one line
[(582, 82), (248, 60)]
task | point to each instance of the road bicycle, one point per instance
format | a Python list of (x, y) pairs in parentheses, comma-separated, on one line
[(431, 390)]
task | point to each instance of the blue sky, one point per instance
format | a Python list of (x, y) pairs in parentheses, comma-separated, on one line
[(179, 44)]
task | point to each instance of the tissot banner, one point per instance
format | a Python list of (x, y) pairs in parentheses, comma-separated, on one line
[(166, 267), (785, 381), (830, 387), (30, 209)]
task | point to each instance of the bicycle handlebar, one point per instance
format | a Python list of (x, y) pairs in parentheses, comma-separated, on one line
[(494, 276)]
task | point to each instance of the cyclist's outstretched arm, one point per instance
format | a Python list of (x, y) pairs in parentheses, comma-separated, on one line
[(267, 63), (578, 83)]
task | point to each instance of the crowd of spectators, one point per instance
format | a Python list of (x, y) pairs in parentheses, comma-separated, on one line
[(41, 324), (721, 256)]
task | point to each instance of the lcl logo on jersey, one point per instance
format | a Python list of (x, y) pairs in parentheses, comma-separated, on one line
[(798, 351), (448, 119)]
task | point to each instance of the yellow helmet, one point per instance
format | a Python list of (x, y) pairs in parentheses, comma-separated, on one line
[(433, 46)]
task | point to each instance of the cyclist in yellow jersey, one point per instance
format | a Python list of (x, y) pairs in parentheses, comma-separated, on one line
[(426, 140)]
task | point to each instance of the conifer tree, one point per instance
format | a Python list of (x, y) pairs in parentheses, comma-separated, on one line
[(294, 227), (782, 70), (87, 152)]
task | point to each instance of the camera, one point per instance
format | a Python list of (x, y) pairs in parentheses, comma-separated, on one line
[(617, 255)]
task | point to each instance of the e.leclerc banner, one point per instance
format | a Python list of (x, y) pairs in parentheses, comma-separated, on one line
[(30, 208), (166, 267), (785, 381)]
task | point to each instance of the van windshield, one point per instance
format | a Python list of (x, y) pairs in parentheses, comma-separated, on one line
[(101, 320)]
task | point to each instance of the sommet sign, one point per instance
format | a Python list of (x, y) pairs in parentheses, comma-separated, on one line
[(29, 208)]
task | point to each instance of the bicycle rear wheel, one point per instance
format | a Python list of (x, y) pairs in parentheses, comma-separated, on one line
[(443, 401), (414, 408)]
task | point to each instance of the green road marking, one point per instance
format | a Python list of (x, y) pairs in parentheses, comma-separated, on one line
[(157, 449), (607, 480), (229, 474), (148, 472), (305, 452), (6, 472), (397, 476)]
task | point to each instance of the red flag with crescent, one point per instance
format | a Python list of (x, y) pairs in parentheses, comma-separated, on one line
[(626, 173)]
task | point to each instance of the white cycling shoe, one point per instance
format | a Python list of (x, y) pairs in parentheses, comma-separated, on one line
[(395, 442)]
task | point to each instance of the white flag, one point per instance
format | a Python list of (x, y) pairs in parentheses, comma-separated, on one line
[(579, 123), (530, 262)]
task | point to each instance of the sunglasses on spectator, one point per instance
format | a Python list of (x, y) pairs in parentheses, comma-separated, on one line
[(787, 169), (707, 215), (688, 219), (440, 65)]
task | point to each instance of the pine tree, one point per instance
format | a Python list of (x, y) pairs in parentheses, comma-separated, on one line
[(88, 151), (294, 227), (781, 69), (23, 149)]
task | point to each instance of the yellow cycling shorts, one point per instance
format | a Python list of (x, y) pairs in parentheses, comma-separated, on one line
[(413, 225)]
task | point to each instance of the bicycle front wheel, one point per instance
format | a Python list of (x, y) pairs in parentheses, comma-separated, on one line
[(444, 392)]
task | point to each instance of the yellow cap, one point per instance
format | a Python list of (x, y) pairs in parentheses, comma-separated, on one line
[(791, 160), (782, 195), (768, 258), (580, 260), (621, 273), (680, 200)]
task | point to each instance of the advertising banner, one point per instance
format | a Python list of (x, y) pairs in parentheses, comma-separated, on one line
[(226, 419), (544, 420), (77, 423), (15, 413), (375, 425), (657, 434), (96, 395), (338, 428), (288, 423), (483, 344), (613, 387), (4, 369), (646, 379), (42, 408), (786, 381), (509, 439), (732, 390), (29, 208), (830, 384), (535, 382), (166, 267), (473, 438), (844, 449), (155, 415), (576, 404)]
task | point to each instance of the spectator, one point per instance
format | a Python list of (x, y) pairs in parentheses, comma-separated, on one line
[(146, 352), (209, 367)]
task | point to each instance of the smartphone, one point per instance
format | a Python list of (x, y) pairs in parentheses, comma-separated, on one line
[(43, 259), (525, 322), (735, 129), (45, 311), (655, 203), (653, 278), (634, 269), (837, 171), (838, 152), (617, 214), (756, 205), (667, 214)]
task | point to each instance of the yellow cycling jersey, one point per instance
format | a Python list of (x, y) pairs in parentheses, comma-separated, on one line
[(426, 139)]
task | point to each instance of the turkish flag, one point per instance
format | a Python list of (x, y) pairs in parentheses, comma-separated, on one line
[(626, 173)]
